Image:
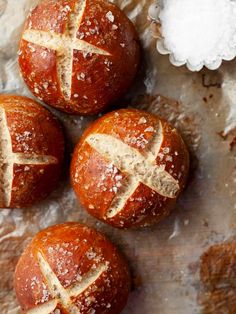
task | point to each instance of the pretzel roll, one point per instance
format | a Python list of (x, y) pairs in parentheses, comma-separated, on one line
[(71, 268), (31, 151), (78, 55), (129, 168)]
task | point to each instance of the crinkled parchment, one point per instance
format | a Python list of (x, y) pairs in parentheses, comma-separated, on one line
[(163, 258)]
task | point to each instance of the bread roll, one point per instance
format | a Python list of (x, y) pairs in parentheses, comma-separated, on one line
[(71, 268), (78, 55), (31, 151), (129, 168)]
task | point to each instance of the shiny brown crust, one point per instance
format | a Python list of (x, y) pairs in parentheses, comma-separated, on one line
[(97, 80), (30, 133), (94, 176), (72, 250)]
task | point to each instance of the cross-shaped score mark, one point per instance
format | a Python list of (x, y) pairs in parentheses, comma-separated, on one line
[(60, 295), (139, 167), (8, 159), (65, 44)]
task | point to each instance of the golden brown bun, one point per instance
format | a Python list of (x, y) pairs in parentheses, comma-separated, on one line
[(129, 168), (74, 269), (31, 151), (95, 78)]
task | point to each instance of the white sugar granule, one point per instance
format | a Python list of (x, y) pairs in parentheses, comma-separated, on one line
[(199, 31)]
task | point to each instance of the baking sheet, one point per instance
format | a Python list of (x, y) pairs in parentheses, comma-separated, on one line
[(163, 258)]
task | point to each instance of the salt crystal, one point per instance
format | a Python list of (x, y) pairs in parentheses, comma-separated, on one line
[(81, 76), (199, 32), (149, 129), (166, 150), (66, 9), (169, 158), (79, 277), (142, 120), (45, 85), (36, 90), (32, 49), (110, 16), (114, 27)]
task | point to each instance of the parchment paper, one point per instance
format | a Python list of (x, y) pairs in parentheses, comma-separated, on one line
[(163, 258)]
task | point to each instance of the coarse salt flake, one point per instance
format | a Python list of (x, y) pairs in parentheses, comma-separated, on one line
[(142, 120), (110, 16), (149, 129), (199, 32)]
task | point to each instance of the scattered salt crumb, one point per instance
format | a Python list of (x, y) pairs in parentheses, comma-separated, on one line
[(66, 8), (81, 76), (110, 16), (166, 150), (115, 189), (79, 277), (32, 49), (142, 120), (36, 90), (45, 85), (186, 222), (149, 129), (169, 158), (114, 27)]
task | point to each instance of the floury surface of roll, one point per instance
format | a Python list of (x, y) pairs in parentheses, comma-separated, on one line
[(164, 257)]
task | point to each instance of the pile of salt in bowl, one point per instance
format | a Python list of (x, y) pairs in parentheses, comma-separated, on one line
[(196, 32)]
